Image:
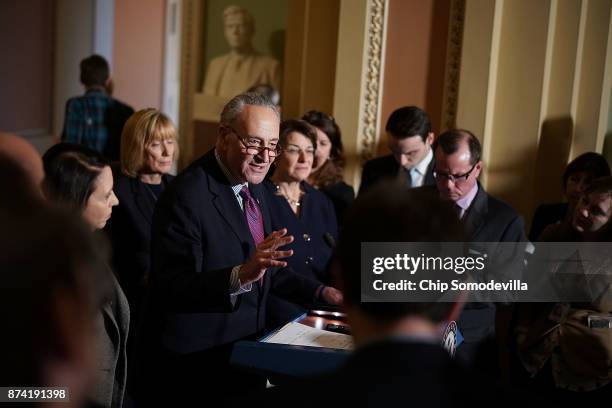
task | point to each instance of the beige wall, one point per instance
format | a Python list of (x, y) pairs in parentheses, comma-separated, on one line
[(310, 56), (415, 58), (532, 87), (138, 45), (414, 36), (515, 125), (73, 41)]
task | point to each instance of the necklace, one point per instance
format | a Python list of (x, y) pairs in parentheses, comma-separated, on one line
[(296, 202)]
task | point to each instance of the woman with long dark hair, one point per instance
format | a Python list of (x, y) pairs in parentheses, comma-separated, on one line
[(80, 179), (328, 166)]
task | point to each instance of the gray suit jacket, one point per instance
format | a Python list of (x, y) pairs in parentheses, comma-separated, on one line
[(112, 330)]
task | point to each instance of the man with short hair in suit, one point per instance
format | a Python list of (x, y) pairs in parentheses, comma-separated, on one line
[(409, 138), (214, 257), (458, 164)]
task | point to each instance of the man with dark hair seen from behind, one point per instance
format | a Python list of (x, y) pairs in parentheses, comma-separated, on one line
[(409, 138), (96, 119), (399, 359)]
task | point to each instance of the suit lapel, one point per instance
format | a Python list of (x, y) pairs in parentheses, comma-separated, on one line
[(429, 178), (143, 199), (474, 219), (114, 333), (227, 205)]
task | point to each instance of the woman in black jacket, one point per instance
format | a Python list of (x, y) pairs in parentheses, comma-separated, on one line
[(148, 148), (328, 166)]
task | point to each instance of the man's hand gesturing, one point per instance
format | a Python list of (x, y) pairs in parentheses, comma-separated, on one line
[(266, 256)]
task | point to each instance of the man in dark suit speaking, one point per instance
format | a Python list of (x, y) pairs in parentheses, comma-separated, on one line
[(214, 257), (409, 138)]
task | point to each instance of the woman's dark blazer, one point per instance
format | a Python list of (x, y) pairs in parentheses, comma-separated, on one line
[(130, 232), (315, 232)]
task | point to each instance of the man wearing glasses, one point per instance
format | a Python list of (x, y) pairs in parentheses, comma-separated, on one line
[(456, 171), (409, 138), (458, 163), (215, 258)]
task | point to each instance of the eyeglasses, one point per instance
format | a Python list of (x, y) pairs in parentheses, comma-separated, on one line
[(454, 178), (253, 145)]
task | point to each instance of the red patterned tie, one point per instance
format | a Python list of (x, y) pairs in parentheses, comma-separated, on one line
[(253, 215)]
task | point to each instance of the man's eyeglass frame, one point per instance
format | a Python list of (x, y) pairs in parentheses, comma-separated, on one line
[(273, 152), (454, 178)]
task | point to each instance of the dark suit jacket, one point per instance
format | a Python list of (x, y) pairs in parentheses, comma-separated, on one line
[(130, 231), (386, 167), (199, 234), (394, 373), (486, 220), (491, 220), (311, 249), (112, 327)]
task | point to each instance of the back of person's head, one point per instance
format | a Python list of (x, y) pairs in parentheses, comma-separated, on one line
[(51, 285), (70, 174), (327, 125), (409, 121), (24, 154), (391, 213), (594, 164), (140, 130), (450, 141), (23, 195), (94, 71)]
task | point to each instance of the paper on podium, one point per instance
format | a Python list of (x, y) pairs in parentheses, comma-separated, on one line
[(298, 334)]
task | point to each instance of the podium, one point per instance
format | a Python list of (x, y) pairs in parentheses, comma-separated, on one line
[(284, 362)]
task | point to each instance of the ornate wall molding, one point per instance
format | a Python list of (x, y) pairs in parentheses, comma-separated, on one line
[(373, 77), (453, 65), (188, 27)]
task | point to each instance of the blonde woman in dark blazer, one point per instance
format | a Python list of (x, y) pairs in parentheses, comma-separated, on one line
[(149, 146)]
